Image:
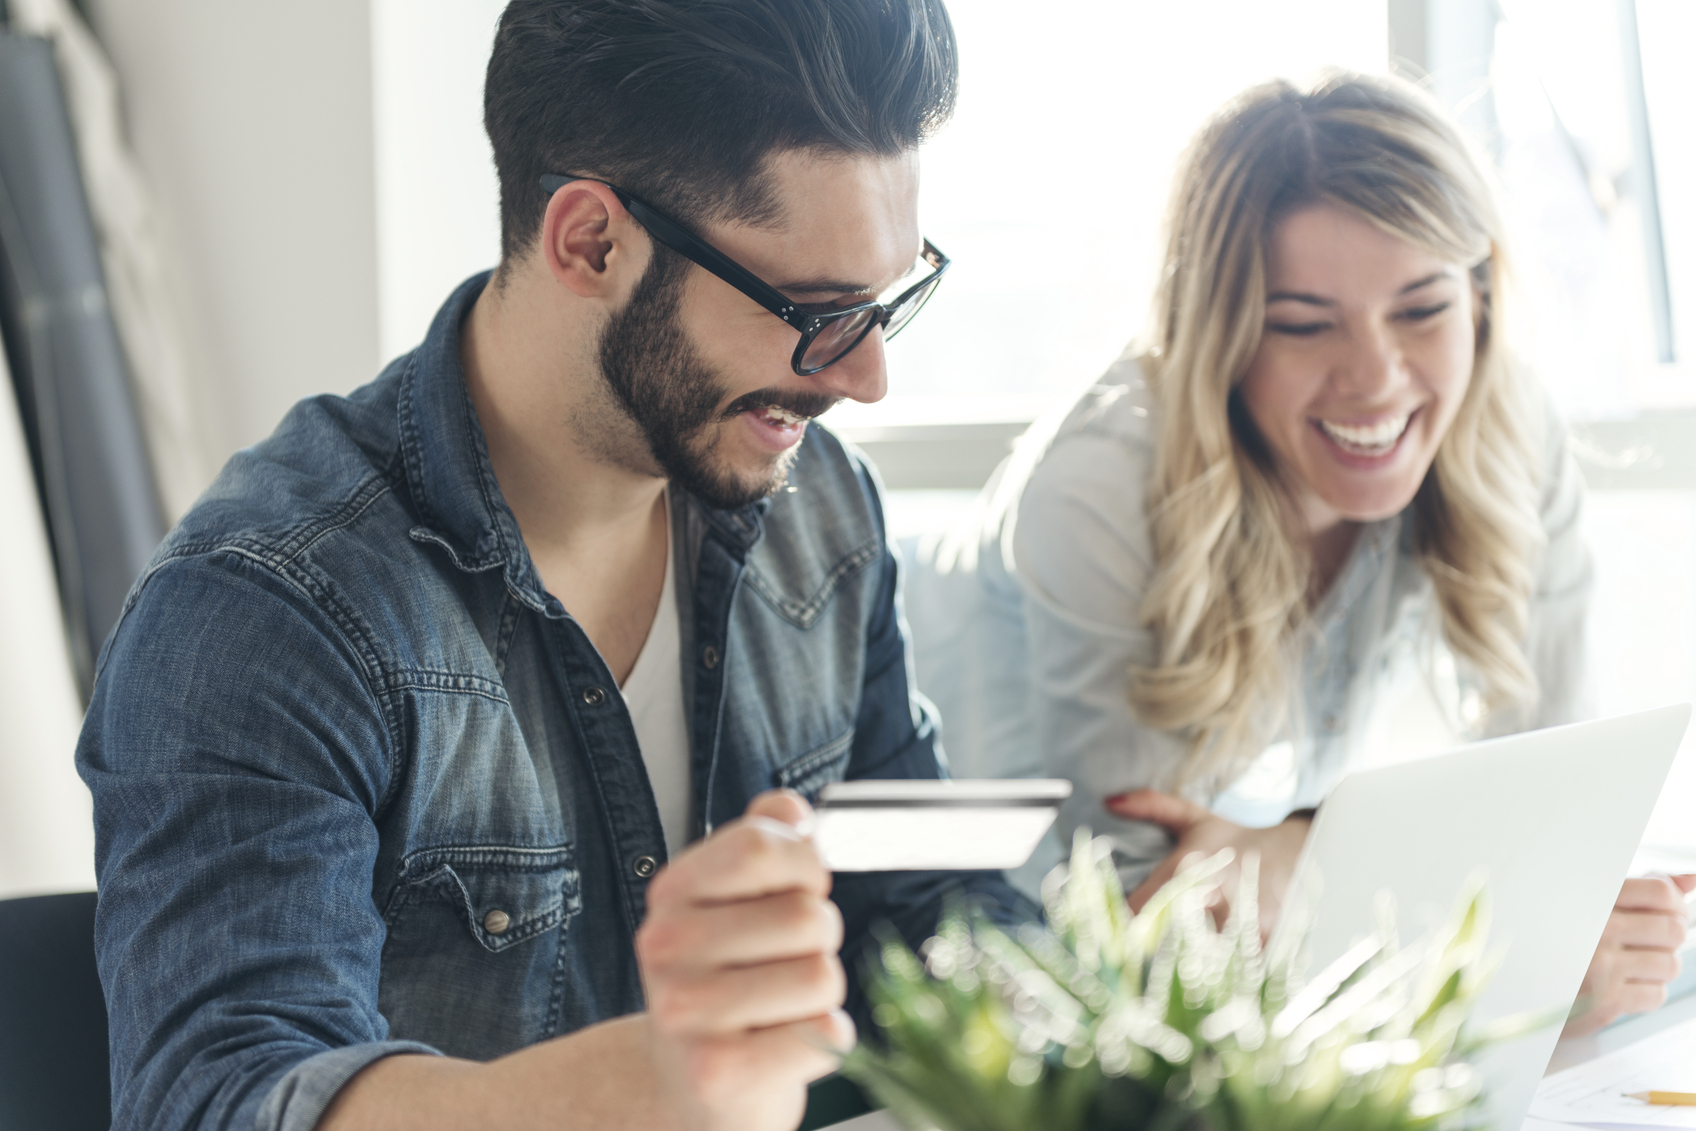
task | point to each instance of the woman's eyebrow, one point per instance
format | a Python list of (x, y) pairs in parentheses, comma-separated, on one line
[(1316, 300), (1299, 296), (1435, 277)]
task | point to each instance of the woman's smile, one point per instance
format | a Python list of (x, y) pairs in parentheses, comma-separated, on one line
[(1370, 439)]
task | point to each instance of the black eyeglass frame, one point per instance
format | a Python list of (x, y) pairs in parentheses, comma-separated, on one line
[(679, 239)]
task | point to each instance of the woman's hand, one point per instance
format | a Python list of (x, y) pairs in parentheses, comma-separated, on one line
[(1637, 956), (1201, 833)]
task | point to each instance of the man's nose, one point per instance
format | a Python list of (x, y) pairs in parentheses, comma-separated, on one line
[(863, 375)]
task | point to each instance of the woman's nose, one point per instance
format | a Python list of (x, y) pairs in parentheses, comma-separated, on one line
[(1372, 362)]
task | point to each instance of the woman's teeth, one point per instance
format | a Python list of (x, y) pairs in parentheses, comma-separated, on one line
[(1368, 440), (783, 416)]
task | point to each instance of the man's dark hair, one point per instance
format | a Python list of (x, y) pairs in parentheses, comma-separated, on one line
[(680, 101)]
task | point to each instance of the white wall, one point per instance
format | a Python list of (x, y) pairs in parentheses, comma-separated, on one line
[(46, 818), (438, 203), (323, 176), (253, 122), (254, 126)]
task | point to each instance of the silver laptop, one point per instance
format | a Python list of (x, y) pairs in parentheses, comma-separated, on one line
[(1551, 818)]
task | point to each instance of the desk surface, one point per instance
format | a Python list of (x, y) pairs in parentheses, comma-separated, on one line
[(1570, 1053), (1567, 1054)]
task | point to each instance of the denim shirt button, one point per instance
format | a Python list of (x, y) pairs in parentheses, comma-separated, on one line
[(709, 657), (594, 696), (645, 866), (496, 922)]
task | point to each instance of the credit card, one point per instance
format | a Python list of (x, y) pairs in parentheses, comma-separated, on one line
[(911, 825)]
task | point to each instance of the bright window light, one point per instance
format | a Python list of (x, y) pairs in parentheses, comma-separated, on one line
[(1048, 186)]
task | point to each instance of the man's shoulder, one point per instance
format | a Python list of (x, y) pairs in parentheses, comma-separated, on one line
[(320, 507), (329, 460)]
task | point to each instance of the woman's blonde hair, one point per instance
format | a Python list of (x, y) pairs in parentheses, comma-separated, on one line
[(1230, 596)]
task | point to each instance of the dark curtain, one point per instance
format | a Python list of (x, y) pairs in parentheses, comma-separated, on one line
[(68, 369)]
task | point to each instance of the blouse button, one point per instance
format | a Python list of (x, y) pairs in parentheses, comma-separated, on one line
[(594, 696), (496, 922)]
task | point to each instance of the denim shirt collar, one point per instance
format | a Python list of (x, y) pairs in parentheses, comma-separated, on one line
[(452, 480)]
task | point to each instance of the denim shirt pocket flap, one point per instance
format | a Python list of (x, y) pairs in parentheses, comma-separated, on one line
[(816, 768), (799, 591), (504, 895)]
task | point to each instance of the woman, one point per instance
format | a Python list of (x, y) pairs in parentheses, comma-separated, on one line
[(1319, 481)]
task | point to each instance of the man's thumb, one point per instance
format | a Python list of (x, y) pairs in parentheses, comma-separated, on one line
[(785, 806)]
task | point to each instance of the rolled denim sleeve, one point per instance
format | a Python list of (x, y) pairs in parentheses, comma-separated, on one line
[(237, 755)]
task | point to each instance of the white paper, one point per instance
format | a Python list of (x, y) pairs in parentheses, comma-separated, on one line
[(1596, 1093)]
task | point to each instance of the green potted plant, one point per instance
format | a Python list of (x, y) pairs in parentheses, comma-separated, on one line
[(1108, 1021)]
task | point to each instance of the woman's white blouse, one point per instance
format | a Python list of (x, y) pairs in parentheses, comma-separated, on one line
[(1025, 622)]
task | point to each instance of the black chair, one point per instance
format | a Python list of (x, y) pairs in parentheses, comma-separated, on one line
[(832, 1100), (53, 1064)]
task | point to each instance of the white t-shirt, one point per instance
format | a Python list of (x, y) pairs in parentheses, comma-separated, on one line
[(653, 692)]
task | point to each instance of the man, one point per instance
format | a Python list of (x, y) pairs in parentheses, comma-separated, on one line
[(399, 743)]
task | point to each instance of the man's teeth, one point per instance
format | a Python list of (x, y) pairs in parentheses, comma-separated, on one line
[(1372, 439), (783, 415)]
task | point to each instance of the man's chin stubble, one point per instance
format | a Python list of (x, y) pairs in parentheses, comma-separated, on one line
[(706, 476)]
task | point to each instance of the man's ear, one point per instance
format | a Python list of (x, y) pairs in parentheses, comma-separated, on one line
[(589, 242)]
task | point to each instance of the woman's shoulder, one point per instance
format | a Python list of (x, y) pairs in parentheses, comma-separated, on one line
[(1102, 445), (1076, 478), (1081, 519), (1105, 436), (1118, 406)]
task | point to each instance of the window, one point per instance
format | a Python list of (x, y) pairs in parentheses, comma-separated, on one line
[(1048, 186)]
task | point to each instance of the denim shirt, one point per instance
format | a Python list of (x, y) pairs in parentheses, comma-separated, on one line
[(341, 724)]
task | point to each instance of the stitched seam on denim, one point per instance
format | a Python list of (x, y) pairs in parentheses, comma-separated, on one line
[(278, 555), (556, 990), (411, 444), (365, 641), (360, 639), (308, 534), (425, 536), (394, 472), (510, 856), (816, 758), (354, 634), (508, 630), (484, 473), (803, 614), (450, 683)]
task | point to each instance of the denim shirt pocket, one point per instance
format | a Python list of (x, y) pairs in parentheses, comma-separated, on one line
[(523, 891), (816, 768), (474, 939)]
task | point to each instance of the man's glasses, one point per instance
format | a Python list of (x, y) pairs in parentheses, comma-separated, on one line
[(826, 337)]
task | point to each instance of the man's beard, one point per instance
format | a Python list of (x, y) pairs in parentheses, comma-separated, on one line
[(673, 395)]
